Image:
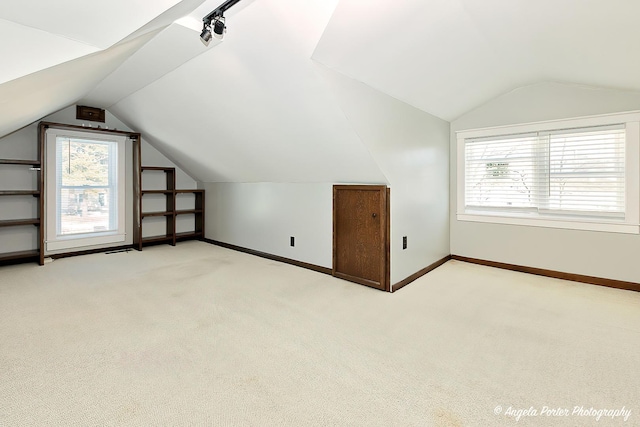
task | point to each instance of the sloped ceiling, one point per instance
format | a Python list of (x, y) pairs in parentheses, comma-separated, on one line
[(99, 24), (253, 108), (54, 53), (171, 48), (449, 56), (45, 50), (27, 99)]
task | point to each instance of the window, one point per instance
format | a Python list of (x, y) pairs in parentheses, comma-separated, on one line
[(85, 189), (580, 174)]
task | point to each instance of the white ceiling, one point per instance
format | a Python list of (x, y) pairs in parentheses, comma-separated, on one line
[(99, 24), (28, 99), (254, 107), (31, 50), (171, 48), (44, 69), (448, 56)]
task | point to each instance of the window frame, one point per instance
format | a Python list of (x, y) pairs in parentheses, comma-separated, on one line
[(53, 241), (629, 225)]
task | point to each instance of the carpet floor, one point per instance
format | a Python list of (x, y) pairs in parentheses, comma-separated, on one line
[(200, 335)]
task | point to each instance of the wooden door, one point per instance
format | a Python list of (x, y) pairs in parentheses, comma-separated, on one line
[(360, 234)]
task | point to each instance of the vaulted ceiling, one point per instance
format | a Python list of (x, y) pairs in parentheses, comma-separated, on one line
[(448, 56), (256, 108)]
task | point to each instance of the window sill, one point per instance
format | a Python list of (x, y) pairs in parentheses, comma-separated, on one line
[(75, 242), (607, 227)]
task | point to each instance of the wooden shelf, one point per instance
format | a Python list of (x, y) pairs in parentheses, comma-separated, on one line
[(188, 235), (157, 239), (19, 162), (188, 191), (145, 214), (188, 211), (157, 192), (156, 168), (170, 212), (19, 193), (17, 222), (37, 253), (20, 256)]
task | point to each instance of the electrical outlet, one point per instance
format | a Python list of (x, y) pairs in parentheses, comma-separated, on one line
[(404, 242), (293, 241)]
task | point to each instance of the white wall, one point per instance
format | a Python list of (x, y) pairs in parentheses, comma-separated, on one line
[(263, 216), (608, 255), (411, 148), (23, 144)]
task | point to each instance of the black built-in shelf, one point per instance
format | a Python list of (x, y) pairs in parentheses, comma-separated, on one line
[(19, 222), (19, 162), (170, 213), (35, 254), (20, 256), (19, 193)]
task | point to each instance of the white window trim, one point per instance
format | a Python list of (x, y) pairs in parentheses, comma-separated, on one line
[(56, 243), (630, 225)]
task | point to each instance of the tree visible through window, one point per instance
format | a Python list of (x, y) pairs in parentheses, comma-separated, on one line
[(86, 184), (85, 189), (500, 172), (579, 172)]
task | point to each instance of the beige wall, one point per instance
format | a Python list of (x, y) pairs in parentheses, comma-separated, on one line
[(608, 255)]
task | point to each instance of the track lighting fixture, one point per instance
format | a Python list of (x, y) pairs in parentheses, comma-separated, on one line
[(215, 21)]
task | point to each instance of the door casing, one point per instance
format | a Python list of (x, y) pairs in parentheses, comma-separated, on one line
[(382, 250)]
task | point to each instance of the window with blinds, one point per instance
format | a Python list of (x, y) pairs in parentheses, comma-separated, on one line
[(501, 172), (587, 171), (575, 171), (584, 170)]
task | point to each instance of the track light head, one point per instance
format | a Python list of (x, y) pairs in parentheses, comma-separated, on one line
[(205, 36), (219, 28)]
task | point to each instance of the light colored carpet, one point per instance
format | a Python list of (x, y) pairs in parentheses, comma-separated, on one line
[(200, 335)]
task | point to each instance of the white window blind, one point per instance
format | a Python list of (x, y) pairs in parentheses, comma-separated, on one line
[(501, 171), (587, 171), (576, 172)]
